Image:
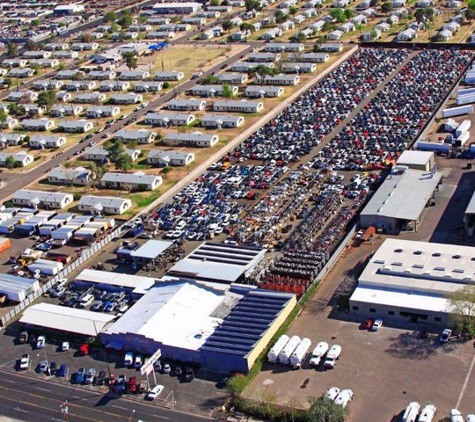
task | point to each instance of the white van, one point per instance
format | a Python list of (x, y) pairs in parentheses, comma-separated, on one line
[(411, 412), (332, 356), (86, 301)]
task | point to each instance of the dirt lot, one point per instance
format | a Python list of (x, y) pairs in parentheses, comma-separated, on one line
[(379, 367)]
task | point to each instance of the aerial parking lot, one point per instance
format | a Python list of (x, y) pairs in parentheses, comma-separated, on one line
[(385, 369)]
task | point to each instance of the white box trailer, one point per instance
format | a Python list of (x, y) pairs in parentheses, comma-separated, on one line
[(465, 91), (284, 355), (273, 354), (457, 111), (464, 127), (462, 139), (465, 99), (434, 146), (300, 353), (45, 266)]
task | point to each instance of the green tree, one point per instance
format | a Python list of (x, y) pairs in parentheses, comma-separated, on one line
[(166, 170), (280, 16), (35, 22), (338, 14), (114, 28), (300, 37), (10, 162), (253, 5), (36, 67), (12, 50), (293, 10), (327, 26), (3, 116), (261, 71), (227, 25), (59, 68), (16, 109), (125, 20), (46, 99), (387, 7), (227, 91), (114, 150), (130, 60), (214, 3), (30, 45), (166, 85), (124, 162), (317, 48), (143, 19), (208, 80), (246, 27), (325, 410), (349, 13), (110, 17), (462, 303)]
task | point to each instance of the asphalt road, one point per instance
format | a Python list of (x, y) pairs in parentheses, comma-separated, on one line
[(14, 181), (30, 399)]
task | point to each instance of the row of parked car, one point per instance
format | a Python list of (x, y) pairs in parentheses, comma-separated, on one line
[(413, 413)]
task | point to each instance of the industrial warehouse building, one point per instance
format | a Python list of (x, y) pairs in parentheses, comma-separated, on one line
[(400, 201), (218, 263), (61, 318), (191, 323), (409, 281), (417, 160)]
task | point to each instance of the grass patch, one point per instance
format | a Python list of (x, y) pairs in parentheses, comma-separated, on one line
[(143, 199)]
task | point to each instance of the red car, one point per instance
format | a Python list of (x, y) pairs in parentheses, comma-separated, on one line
[(368, 323)]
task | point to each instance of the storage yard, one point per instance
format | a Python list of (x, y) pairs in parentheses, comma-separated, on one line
[(195, 191)]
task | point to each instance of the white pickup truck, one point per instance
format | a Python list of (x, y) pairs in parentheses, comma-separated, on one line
[(24, 362)]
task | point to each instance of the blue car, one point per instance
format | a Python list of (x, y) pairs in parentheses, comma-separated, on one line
[(62, 371), (80, 374)]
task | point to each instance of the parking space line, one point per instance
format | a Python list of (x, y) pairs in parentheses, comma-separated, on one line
[(10, 381), (118, 407), (161, 417), (464, 387), (43, 389), (21, 410)]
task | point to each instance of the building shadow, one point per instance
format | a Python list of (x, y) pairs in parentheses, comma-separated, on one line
[(450, 228)]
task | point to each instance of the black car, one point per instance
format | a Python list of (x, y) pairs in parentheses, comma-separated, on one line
[(224, 66), (178, 371), (100, 379)]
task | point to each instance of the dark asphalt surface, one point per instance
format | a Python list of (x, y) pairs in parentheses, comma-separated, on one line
[(30, 399)]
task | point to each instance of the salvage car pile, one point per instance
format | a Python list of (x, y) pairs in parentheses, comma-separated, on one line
[(394, 117), (325, 205)]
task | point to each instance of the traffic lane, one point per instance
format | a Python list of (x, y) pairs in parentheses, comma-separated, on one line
[(25, 390)]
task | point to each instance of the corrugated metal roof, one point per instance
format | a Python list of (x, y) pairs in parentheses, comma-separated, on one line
[(66, 319)]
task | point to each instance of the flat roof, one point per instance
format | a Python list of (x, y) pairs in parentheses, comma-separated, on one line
[(408, 265), (62, 318), (174, 314), (403, 195), (415, 157), (407, 300), (113, 279), (151, 249), (218, 261)]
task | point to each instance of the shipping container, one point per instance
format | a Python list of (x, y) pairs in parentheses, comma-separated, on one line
[(464, 127), (457, 111), (462, 139), (465, 99), (466, 91), (434, 146), (4, 244)]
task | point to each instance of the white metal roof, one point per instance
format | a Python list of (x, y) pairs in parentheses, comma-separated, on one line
[(218, 262), (176, 315), (415, 157), (151, 249), (113, 279), (62, 318), (403, 195), (408, 300), (432, 268)]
